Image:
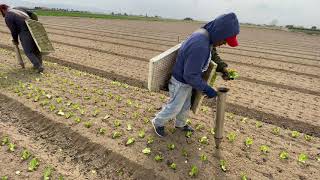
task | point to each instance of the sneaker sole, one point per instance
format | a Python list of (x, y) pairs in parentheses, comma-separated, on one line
[(154, 127)]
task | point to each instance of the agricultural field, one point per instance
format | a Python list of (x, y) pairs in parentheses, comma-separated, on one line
[(88, 116)]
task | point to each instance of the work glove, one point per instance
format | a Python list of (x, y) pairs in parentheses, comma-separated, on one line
[(225, 76), (210, 92)]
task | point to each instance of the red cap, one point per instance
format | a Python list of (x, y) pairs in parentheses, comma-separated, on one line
[(232, 41)]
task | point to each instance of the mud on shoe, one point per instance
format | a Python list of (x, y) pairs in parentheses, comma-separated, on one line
[(159, 130)]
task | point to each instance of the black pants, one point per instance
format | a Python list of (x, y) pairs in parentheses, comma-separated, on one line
[(30, 49)]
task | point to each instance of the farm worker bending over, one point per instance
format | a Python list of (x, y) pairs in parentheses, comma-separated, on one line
[(15, 20), (193, 60)]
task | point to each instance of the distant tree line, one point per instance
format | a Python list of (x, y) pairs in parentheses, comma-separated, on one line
[(313, 28)]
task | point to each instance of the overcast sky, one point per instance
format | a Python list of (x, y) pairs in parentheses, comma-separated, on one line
[(298, 12)]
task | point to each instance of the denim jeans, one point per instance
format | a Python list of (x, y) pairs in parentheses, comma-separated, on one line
[(30, 48), (178, 106)]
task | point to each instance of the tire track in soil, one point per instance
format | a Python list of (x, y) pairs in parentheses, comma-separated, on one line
[(270, 53), (234, 108), (275, 69), (109, 42), (271, 59), (81, 149), (143, 84)]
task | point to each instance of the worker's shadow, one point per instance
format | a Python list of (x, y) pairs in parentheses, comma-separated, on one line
[(10, 76)]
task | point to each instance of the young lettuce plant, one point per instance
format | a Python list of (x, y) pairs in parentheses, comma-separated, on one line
[(284, 155), (223, 165), (203, 157), (116, 135), (47, 173), (194, 171), (302, 158), (171, 146), (25, 155), (265, 149), (33, 164), (204, 140), (173, 166), (248, 142), (130, 141), (102, 131), (276, 131), (231, 136), (158, 158), (5, 141), (142, 134), (295, 134), (150, 140), (12, 147), (146, 151), (88, 124)]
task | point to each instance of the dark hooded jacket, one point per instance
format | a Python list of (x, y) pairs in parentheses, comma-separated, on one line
[(194, 53)]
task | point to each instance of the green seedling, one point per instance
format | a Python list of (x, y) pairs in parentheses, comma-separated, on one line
[(47, 173), (77, 120), (135, 115), (318, 158), (295, 134), (307, 137), (59, 100), (5, 141), (52, 107), (173, 166), (60, 113), (258, 124), (33, 164), (25, 155), (117, 123), (265, 149), (129, 127), (4, 178), (130, 141), (212, 131), (75, 106), (194, 171), (82, 111), (146, 120), (88, 124), (188, 134), (37, 98), (102, 131), (11, 147), (142, 134), (116, 135), (184, 153), (203, 140), (118, 98), (205, 109), (146, 151), (284, 155), (49, 96), (243, 176), (223, 165), (171, 146), (129, 102), (244, 120), (302, 158), (199, 127), (44, 103), (248, 142), (150, 140), (96, 113), (158, 158), (233, 74), (276, 131), (231, 136), (69, 115), (203, 157)]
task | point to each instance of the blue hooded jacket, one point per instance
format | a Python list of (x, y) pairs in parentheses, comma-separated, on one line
[(194, 53)]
